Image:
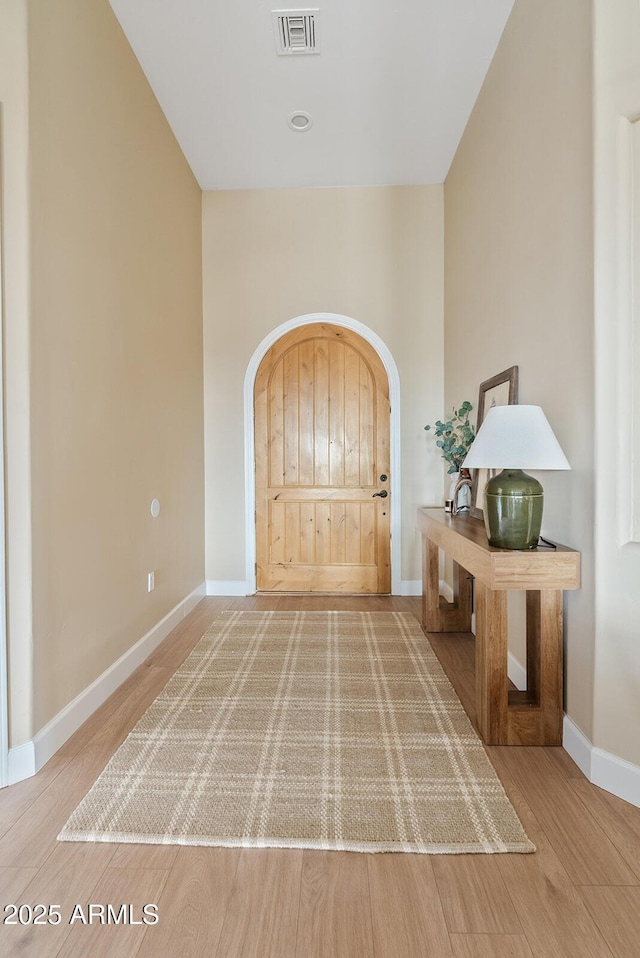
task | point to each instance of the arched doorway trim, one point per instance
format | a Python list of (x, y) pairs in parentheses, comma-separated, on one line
[(384, 352)]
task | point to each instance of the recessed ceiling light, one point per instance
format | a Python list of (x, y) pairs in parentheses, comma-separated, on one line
[(300, 121)]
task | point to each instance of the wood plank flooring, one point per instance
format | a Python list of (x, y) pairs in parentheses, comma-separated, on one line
[(577, 897)]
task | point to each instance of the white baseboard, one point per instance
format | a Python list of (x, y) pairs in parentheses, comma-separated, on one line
[(25, 760), (226, 587), (616, 775), (235, 587), (517, 672), (446, 591), (411, 587), (602, 768), (576, 743), (22, 763)]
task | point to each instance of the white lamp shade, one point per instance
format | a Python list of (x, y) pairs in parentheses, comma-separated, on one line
[(515, 437)]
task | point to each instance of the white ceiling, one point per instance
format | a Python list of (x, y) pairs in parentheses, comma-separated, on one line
[(389, 94)]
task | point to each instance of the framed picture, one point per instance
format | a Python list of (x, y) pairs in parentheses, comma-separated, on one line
[(500, 390)]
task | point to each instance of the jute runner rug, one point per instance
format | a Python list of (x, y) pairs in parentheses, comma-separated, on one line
[(332, 730)]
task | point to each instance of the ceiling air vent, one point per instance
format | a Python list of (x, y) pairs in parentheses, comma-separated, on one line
[(296, 31)]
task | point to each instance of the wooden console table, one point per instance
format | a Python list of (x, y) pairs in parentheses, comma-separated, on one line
[(532, 717)]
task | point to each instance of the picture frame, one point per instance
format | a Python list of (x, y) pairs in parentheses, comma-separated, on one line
[(500, 390)]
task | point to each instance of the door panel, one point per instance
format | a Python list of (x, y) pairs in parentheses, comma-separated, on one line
[(322, 442)]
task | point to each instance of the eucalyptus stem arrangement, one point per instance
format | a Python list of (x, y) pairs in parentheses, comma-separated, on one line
[(454, 436)]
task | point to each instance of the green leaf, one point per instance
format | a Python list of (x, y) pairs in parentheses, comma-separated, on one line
[(454, 435)]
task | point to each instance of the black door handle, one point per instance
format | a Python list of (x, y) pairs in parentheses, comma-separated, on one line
[(383, 494)]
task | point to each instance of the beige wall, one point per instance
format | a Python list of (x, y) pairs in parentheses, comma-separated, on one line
[(116, 354), (14, 162), (518, 270), (103, 334), (373, 254), (617, 98)]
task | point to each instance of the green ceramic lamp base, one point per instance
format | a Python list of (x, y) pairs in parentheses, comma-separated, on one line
[(513, 510)]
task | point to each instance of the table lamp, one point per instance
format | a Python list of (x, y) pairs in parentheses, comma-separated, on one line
[(513, 438)]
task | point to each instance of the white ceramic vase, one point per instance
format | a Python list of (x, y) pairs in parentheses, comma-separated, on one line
[(463, 497)]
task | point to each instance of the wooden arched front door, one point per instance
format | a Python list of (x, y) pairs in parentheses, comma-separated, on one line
[(323, 489)]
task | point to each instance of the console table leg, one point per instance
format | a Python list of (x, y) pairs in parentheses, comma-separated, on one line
[(461, 598), (438, 615), (491, 664), (430, 586)]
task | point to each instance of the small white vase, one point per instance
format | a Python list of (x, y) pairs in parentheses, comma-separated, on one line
[(453, 479), (463, 496)]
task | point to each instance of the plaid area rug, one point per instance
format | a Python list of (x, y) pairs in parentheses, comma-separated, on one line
[(331, 730)]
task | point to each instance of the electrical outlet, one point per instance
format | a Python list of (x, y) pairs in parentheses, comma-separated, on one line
[(151, 582)]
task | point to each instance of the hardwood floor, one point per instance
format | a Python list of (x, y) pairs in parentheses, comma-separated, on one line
[(577, 897)]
